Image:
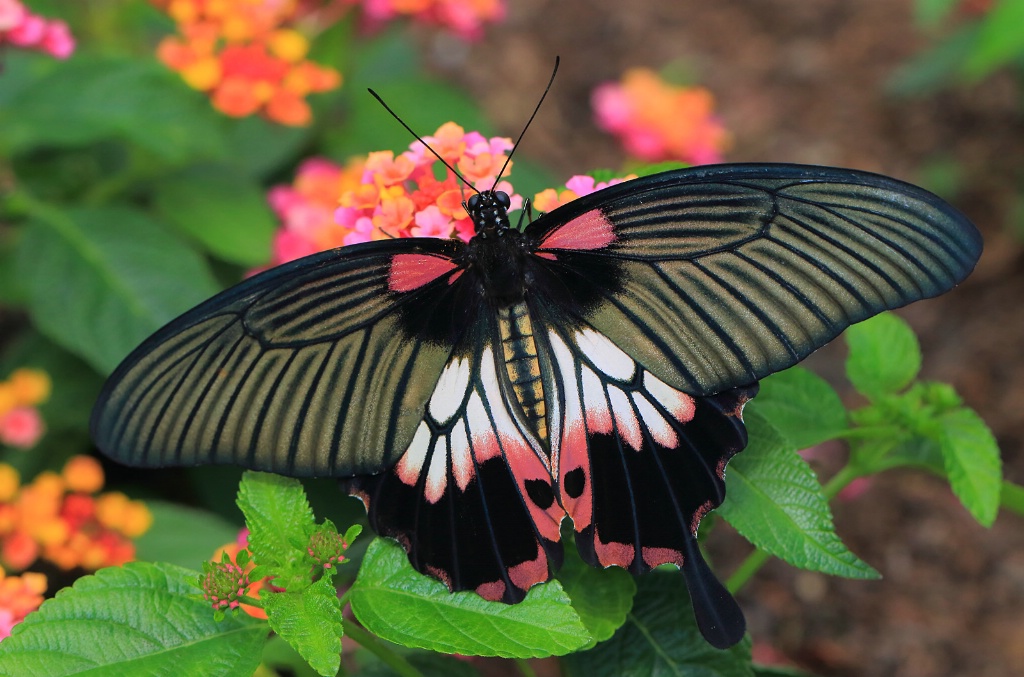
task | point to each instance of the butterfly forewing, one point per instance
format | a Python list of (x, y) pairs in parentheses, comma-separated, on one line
[(320, 367), (719, 276)]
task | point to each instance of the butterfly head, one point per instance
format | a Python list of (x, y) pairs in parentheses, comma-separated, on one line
[(489, 212)]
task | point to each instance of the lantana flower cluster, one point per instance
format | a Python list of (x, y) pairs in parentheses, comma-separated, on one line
[(658, 121), (63, 519), (247, 55), (576, 187), (19, 596), (21, 425), (388, 196), (229, 562), (21, 28), (465, 18)]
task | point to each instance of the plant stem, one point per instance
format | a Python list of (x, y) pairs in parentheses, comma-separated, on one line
[(757, 559), (378, 649), (524, 668), (746, 570), (1012, 497)]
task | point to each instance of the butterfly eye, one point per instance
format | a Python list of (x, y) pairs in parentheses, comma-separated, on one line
[(474, 202), (503, 199)]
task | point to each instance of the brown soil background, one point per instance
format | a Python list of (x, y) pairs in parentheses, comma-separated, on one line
[(800, 81)]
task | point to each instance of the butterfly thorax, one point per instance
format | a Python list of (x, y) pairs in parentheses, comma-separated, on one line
[(497, 254)]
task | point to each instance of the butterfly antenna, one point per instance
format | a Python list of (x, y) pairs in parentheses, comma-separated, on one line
[(425, 144), (527, 126)]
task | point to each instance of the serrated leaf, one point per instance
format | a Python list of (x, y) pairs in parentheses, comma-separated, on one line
[(279, 656), (225, 211), (971, 458), (774, 500), (601, 597), (182, 535), (139, 620), (884, 355), (279, 520), (100, 281), (660, 637), (397, 603), (802, 406), (310, 621)]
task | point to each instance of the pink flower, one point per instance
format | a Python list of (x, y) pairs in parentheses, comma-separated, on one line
[(21, 427), (29, 32), (656, 120), (58, 41), (12, 13), (290, 245), (432, 223)]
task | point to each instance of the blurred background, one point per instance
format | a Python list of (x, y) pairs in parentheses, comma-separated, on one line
[(928, 91)]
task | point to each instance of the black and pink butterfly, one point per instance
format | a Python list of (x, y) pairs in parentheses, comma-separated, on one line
[(593, 365)]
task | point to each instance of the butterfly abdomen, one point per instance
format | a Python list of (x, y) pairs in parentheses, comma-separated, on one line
[(519, 352)]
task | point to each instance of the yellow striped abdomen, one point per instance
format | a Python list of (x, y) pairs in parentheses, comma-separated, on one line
[(519, 353)]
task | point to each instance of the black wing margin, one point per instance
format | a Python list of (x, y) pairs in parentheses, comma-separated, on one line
[(312, 368), (717, 276)]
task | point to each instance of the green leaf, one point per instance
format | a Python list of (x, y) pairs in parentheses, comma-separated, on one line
[(395, 602), (929, 13), (423, 104), (225, 211), (259, 148), (310, 621), (971, 458), (937, 67), (778, 671), (182, 535), (602, 597), (279, 656), (884, 355), (660, 637), (429, 664), (775, 501), (100, 281), (1000, 39), (280, 521), (144, 620), (802, 406), (88, 99)]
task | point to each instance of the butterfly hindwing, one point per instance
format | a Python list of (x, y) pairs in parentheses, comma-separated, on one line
[(719, 276), (639, 463), (471, 499), (318, 367)]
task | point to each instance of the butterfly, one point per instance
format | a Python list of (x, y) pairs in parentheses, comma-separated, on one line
[(592, 365)]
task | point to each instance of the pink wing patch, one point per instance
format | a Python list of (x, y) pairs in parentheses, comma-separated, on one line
[(412, 271), (604, 395), (591, 230)]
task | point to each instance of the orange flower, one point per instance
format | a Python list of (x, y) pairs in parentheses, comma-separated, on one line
[(247, 56), (658, 121)]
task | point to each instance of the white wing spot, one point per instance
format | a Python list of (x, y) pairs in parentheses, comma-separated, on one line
[(411, 463), (679, 404), (462, 463), (605, 355), (450, 390), (437, 475), (629, 427), (661, 431)]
